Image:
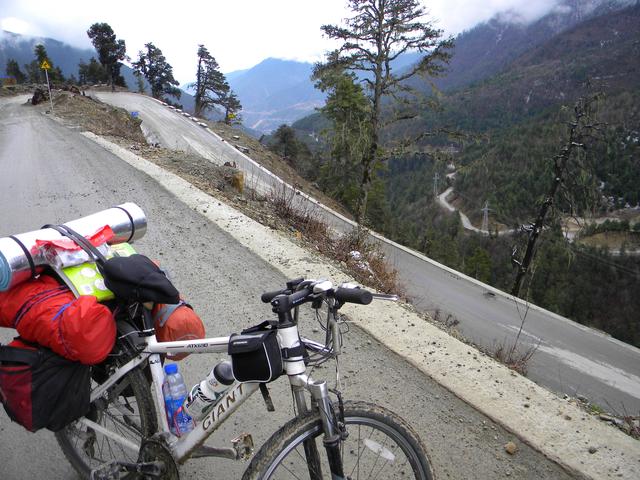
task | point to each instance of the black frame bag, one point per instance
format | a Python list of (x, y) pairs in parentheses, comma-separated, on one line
[(40, 389), (256, 355)]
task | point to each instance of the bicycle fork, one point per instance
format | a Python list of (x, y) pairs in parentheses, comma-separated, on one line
[(331, 429)]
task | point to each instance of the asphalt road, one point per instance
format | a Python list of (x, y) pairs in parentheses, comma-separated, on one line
[(53, 174), (569, 358)]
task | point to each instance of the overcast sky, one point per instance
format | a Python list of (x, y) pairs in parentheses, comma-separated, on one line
[(238, 33)]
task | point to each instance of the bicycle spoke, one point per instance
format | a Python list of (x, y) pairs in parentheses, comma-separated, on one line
[(377, 454)]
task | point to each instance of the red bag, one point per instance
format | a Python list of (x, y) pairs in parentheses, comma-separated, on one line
[(47, 313), (177, 322), (40, 389)]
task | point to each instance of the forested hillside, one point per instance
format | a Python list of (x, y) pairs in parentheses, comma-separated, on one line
[(519, 116), (505, 119)]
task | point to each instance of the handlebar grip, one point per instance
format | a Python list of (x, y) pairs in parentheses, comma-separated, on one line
[(266, 297), (297, 297), (353, 295)]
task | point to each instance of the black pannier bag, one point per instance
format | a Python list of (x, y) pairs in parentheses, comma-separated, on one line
[(40, 389), (255, 355)]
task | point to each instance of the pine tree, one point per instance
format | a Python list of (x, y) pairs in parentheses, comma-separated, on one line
[(111, 51), (377, 34), (13, 70), (231, 104), (158, 72), (40, 52), (210, 85), (92, 72), (347, 109)]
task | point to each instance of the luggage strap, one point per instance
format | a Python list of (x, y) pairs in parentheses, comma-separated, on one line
[(82, 242), (19, 355)]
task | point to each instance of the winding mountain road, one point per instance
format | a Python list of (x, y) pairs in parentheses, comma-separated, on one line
[(570, 358)]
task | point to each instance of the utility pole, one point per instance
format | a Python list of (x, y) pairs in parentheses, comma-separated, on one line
[(436, 177), (485, 218)]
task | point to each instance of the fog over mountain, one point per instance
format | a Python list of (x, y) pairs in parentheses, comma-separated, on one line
[(286, 29)]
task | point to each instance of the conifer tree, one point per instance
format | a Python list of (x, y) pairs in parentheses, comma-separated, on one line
[(158, 72), (111, 51), (231, 104), (210, 84), (13, 70), (377, 34)]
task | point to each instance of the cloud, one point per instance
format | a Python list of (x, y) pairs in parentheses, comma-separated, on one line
[(458, 15), (239, 34)]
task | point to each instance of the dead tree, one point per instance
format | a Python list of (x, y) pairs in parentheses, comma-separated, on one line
[(580, 128)]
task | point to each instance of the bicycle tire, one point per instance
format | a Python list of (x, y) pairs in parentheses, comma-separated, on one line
[(87, 449), (380, 436)]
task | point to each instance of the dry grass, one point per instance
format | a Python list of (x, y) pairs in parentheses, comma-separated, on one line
[(368, 266), (514, 356)]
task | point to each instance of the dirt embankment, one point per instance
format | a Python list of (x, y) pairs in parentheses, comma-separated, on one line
[(276, 211)]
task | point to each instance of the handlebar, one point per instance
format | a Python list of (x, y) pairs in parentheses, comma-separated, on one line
[(353, 295), (300, 291), (266, 297)]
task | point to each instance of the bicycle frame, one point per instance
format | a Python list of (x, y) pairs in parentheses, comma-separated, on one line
[(182, 447)]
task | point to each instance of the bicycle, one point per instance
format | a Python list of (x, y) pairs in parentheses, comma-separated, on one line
[(326, 439)]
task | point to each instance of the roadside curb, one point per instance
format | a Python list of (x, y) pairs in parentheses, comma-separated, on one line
[(558, 429)]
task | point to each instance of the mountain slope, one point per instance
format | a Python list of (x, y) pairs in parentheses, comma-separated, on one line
[(275, 92), (521, 111), (490, 47)]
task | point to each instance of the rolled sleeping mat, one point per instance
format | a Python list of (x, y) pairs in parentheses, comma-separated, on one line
[(19, 262)]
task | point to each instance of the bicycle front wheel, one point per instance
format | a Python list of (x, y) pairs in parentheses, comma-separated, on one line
[(379, 445)]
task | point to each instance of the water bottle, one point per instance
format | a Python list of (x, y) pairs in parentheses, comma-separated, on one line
[(175, 391), (204, 394)]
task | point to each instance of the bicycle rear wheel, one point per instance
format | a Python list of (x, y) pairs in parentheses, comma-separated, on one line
[(380, 445), (127, 410)]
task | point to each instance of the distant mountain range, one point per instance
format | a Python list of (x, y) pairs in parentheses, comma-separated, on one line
[(275, 92)]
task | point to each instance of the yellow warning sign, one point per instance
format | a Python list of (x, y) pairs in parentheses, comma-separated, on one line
[(45, 65)]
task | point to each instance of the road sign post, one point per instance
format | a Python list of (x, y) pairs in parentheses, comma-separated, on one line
[(46, 66)]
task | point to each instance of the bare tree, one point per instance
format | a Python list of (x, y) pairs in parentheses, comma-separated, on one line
[(580, 128)]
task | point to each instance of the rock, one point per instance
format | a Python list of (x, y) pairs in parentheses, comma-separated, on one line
[(606, 418), (511, 448), (39, 95), (592, 450)]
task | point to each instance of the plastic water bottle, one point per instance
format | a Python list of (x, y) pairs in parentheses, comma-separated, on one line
[(175, 391), (205, 393)]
